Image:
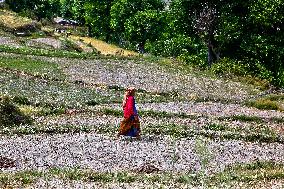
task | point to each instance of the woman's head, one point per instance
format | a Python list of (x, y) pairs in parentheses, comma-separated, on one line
[(130, 91)]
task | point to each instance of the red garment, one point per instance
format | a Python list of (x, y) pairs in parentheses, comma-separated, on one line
[(128, 110)]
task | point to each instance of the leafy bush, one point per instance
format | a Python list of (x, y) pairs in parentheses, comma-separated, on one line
[(28, 13), (279, 79), (172, 47), (10, 115), (257, 69), (253, 73), (226, 66), (193, 60)]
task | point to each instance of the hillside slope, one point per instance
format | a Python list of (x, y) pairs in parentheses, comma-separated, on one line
[(198, 130)]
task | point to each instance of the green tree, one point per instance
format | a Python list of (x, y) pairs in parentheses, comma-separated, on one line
[(122, 10), (66, 8), (252, 31), (43, 9), (143, 26), (97, 18), (19, 5), (266, 18), (37, 9), (197, 18), (78, 11)]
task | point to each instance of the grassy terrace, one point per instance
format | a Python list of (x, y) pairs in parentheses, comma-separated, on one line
[(231, 176), (171, 67), (35, 90), (42, 93), (45, 77), (213, 131), (35, 68), (30, 95), (46, 52), (11, 21)]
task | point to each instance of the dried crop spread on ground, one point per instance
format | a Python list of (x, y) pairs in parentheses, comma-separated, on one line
[(180, 136)]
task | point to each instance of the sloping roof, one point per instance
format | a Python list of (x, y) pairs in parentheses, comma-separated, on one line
[(60, 20)]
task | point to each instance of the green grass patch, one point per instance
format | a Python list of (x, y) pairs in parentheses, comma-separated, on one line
[(259, 170), (46, 52), (142, 96), (24, 105), (246, 118), (41, 110), (41, 93), (22, 178), (172, 65), (34, 67), (277, 119), (169, 129), (148, 113), (238, 173), (212, 131), (265, 104), (113, 112), (243, 118), (25, 178), (256, 119), (275, 97)]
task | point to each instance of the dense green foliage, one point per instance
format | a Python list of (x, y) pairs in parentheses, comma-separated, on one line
[(248, 33), (143, 26), (97, 18), (34, 8)]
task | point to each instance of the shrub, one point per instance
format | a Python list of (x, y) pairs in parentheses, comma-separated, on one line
[(279, 79), (193, 60), (11, 115), (226, 66), (28, 13), (172, 47)]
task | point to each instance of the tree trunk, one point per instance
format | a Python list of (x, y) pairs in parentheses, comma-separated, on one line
[(89, 31), (212, 55), (141, 47)]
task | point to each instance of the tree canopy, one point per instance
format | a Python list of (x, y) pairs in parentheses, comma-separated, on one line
[(249, 32)]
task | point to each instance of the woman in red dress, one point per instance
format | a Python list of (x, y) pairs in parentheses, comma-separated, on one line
[(130, 125)]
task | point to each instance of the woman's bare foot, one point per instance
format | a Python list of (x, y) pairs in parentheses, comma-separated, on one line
[(138, 137), (117, 136)]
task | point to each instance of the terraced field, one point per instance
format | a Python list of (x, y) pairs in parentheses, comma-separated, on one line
[(198, 130)]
